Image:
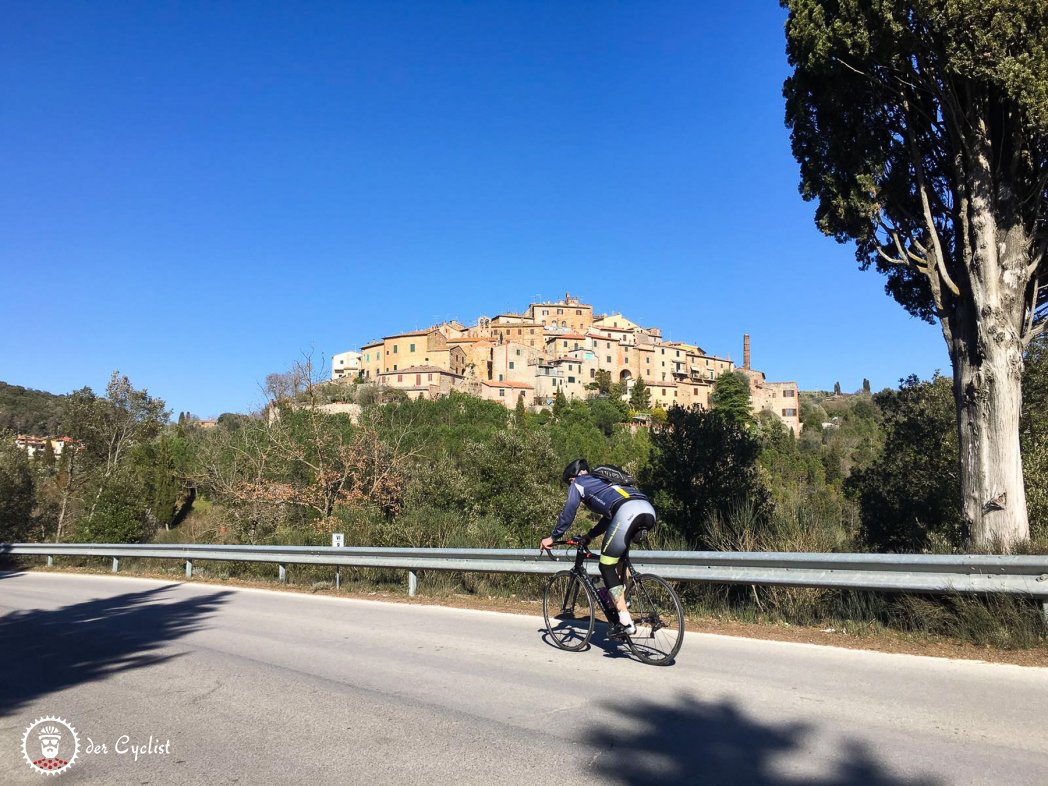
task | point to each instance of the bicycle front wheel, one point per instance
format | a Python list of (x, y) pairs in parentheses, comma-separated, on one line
[(659, 616), (569, 611)]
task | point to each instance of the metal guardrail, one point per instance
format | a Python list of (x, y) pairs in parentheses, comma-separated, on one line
[(969, 573)]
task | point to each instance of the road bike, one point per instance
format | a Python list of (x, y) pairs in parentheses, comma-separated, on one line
[(571, 598)]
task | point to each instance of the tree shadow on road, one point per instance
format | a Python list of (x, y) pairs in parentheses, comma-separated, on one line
[(716, 744), (45, 651)]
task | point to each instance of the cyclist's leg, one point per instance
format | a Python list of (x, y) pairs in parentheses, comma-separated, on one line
[(631, 517)]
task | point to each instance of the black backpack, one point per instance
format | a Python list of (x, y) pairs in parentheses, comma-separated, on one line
[(613, 474)]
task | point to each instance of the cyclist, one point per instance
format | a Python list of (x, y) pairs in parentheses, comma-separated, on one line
[(626, 517)]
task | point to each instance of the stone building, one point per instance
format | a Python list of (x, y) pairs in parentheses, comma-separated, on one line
[(557, 347)]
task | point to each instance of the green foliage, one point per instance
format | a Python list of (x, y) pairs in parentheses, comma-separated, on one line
[(108, 426), (703, 464), (520, 412), (886, 93), (27, 411), (512, 484), (161, 465), (444, 425), (811, 512), (602, 381), (119, 514), (844, 431), (16, 492), (731, 397), (560, 401), (910, 495), (640, 396), (1033, 432)]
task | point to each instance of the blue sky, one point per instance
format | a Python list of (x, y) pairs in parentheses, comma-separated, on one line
[(198, 194)]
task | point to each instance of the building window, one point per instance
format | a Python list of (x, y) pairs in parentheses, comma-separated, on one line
[(511, 365), (400, 377), (593, 373), (411, 348), (394, 349), (789, 413), (502, 392), (418, 379), (531, 332), (789, 393), (394, 366), (571, 380), (500, 378), (560, 311), (429, 377), (518, 353), (609, 358)]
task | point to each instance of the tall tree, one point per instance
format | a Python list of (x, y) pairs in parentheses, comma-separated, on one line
[(921, 128), (108, 428), (731, 396), (703, 464), (640, 396)]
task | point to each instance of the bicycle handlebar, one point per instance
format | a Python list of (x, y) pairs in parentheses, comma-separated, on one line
[(579, 543)]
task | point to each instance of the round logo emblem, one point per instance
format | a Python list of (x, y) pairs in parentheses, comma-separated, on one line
[(50, 745)]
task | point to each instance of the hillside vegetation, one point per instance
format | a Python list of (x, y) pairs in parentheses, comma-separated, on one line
[(869, 472), (27, 411)]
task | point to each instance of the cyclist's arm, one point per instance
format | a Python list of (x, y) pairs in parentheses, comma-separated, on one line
[(567, 515)]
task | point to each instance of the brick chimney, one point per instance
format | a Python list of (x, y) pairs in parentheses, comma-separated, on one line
[(746, 351)]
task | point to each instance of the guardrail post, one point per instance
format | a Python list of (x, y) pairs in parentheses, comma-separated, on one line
[(1044, 610), (116, 564), (412, 583), (283, 573), (50, 561), (338, 578), (189, 568)]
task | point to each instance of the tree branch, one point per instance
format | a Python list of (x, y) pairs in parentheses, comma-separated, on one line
[(940, 261)]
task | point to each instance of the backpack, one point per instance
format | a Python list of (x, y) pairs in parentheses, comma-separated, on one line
[(613, 474)]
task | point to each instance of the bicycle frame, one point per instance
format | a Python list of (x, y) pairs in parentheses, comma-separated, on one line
[(581, 555), (656, 608)]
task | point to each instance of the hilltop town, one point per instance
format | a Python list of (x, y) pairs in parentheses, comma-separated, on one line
[(550, 348)]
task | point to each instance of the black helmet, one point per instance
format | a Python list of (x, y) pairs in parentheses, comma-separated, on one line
[(574, 468)]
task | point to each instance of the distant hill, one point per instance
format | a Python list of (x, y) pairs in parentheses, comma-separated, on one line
[(27, 411)]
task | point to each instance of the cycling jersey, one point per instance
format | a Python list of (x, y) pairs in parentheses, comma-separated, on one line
[(598, 495)]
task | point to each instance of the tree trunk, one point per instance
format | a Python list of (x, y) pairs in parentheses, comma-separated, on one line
[(989, 398), (985, 340)]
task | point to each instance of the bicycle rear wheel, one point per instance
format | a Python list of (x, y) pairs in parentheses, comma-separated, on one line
[(659, 616), (569, 611)]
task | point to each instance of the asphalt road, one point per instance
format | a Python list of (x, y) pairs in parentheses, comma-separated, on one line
[(250, 686)]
